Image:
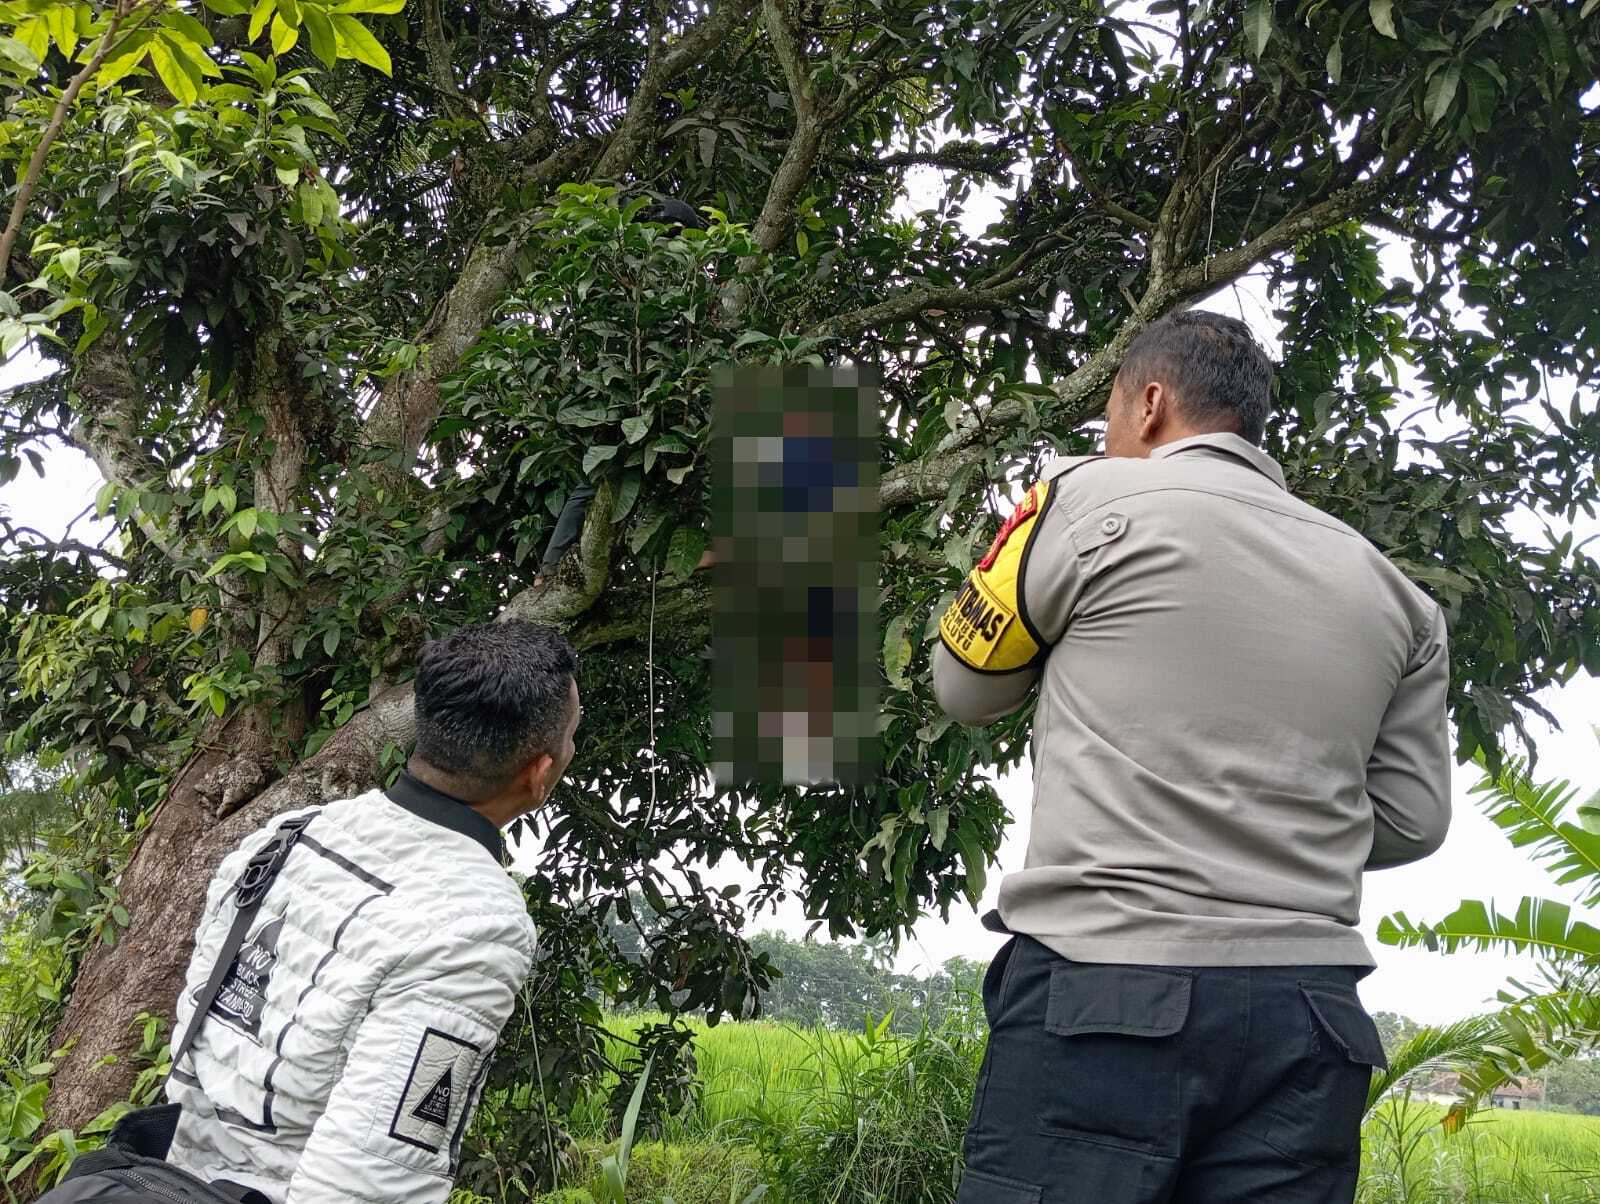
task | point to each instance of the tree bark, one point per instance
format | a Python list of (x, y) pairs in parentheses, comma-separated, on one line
[(163, 889)]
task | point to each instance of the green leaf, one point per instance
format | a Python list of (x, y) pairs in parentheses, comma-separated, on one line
[(1336, 60), (370, 6), (1258, 26), (330, 640), (69, 259), (635, 429), (284, 35), (310, 204), (1531, 815), (169, 160), (1442, 93), (358, 40), (62, 21), (324, 42), (219, 701), (180, 78), (688, 544), (287, 176), (897, 652), (227, 8), (186, 51), (245, 521), (1541, 927), (1383, 17), (260, 16), (19, 54), (126, 61), (976, 865), (187, 27), (596, 456)]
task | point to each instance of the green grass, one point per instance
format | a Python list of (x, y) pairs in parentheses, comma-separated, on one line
[(824, 1117), (1500, 1157), (744, 1069)]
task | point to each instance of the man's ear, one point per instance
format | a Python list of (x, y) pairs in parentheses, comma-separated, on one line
[(536, 776), (1155, 410)]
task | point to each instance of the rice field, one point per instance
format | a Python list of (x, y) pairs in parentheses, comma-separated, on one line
[(765, 1085), (1500, 1157)]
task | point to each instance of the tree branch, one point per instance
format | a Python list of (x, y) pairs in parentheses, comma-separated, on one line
[(58, 117), (913, 301), (107, 432), (693, 47), (54, 547), (1346, 203), (1081, 394), (436, 50), (410, 401), (580, 577), (1098, 195), (777, 212), (977, 157)]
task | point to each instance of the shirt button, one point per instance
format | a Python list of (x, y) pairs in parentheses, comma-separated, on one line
[(1111, 525)]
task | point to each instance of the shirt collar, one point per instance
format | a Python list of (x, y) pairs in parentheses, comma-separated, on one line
[(1228, 444), (439, 808)]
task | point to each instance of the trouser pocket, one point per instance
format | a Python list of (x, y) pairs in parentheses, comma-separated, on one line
[(978, 1188), (994, 980), (1319, 1120), (1111, 1060)]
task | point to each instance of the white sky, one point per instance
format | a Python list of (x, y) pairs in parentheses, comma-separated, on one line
[(1475, 861)]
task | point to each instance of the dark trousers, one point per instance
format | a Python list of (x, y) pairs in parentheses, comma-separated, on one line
[(1107, 1084)]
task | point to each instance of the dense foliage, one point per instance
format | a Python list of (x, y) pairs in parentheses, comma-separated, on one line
[(342, 327)]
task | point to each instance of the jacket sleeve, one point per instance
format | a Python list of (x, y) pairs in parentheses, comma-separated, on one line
[(990, 648), (395, 1119), (1408, 774)]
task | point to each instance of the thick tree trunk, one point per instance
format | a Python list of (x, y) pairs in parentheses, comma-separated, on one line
[(164, 888)]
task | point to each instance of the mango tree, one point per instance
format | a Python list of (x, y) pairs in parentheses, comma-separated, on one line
[(341, 342)]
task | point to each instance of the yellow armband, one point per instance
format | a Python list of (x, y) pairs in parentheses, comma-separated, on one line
[(985, 627)]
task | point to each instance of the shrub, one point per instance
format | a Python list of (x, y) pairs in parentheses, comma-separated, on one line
[(884, 1123)]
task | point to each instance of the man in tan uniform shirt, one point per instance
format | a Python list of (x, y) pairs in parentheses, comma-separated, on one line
[(1241, 708)]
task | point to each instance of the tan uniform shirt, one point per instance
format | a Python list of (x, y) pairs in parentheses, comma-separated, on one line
[(1241, 707)]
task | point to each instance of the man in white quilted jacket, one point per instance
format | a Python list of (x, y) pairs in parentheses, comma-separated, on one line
[(347, 1048)]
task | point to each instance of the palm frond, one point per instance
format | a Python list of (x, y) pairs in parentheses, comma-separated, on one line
[(1452, 1047), (1541, 927), (1531, 1033), (1530, 814)]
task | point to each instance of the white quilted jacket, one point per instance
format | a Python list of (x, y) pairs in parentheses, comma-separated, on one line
[(346, 1050)]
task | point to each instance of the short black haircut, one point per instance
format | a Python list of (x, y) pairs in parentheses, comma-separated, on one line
[(1222, 378), (491, 698)]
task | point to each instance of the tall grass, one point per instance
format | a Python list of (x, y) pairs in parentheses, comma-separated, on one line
[(1497, 1158), (827, 1117)]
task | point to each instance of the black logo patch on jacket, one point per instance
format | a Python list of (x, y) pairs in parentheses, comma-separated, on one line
[(243, 995), (435, 1106), (422, 1118)]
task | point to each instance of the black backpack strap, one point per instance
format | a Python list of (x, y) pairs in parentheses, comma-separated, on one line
[(254, 882)]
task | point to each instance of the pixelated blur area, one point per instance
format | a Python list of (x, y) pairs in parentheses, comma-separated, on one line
[(795, 533)]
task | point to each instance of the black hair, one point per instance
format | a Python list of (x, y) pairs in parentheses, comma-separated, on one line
[(491, 698), (1222, 378)]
